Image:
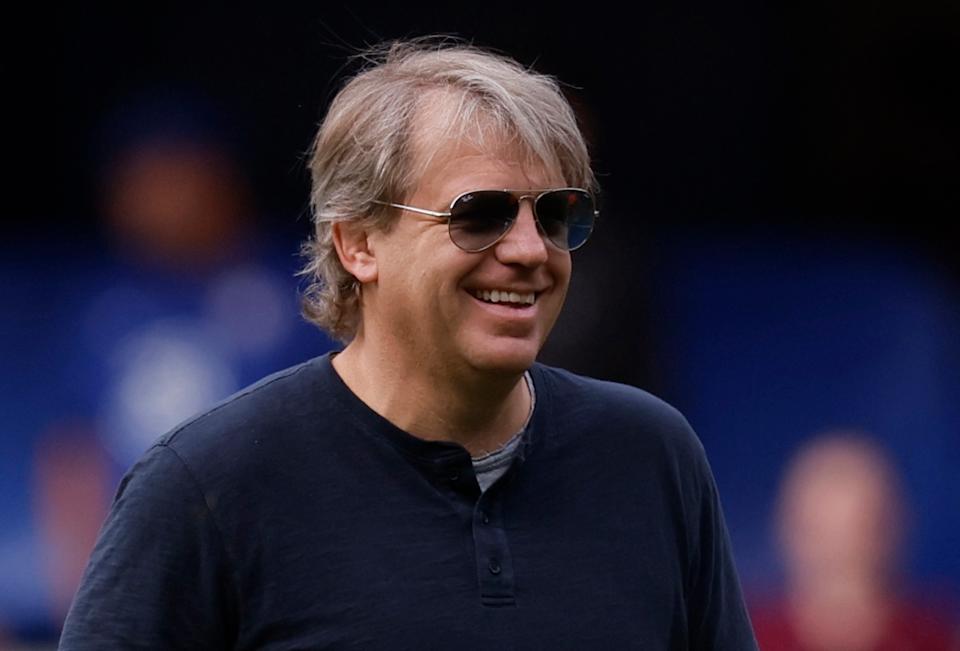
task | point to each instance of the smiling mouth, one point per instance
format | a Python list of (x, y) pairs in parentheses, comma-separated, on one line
[(506, 297)]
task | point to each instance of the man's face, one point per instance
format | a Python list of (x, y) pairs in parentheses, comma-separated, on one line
[(428, 300)]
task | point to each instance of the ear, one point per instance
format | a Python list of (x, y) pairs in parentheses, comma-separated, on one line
[(354, 251)]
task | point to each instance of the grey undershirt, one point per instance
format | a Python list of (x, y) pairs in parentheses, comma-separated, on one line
[(491, 466)]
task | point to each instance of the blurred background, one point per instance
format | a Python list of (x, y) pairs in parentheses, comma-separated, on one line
[(776, 258)]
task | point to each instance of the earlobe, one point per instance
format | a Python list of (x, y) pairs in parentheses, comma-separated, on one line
[(354, 251)]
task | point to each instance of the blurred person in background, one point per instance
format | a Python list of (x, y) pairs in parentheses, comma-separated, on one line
[(159, 335), (841, 522), (145, 331)]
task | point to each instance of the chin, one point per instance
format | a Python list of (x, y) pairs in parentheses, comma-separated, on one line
[(505, 357)]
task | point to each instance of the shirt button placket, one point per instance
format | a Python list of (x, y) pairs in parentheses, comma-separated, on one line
[(492, 553)]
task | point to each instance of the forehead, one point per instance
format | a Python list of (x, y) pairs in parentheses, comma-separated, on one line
[(447, 140), (460, 168)]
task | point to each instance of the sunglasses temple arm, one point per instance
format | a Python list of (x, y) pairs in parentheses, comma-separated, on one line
[(422, 211)]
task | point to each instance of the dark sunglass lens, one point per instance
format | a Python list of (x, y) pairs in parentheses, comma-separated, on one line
[(478, 219), (566, 217)]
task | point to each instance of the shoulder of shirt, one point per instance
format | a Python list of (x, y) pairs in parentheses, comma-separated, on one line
[(281, 402), (606, 394), (618, 409)]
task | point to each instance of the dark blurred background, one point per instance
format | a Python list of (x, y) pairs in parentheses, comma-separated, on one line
[(775, 257)]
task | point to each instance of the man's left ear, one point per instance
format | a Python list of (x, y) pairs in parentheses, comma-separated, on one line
[(354, 251)]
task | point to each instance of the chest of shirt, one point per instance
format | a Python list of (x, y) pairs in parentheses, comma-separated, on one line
[(537, 562)]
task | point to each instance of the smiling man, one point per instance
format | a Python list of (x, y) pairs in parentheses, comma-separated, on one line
[(430, 486)]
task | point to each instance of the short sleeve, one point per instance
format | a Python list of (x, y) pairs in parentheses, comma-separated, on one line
[(158, 577), (716, 611)]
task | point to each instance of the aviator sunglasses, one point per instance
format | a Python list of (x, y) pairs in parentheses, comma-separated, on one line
[(479, 219)]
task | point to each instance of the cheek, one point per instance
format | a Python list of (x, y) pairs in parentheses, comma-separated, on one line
[(561, 268)]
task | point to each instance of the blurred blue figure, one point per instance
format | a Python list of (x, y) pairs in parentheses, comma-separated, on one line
[(185, 302)]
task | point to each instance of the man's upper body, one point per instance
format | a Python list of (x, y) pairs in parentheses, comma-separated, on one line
[(337, 505), (293, 516)]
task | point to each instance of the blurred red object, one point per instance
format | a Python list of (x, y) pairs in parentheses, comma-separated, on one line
[(901, 627)]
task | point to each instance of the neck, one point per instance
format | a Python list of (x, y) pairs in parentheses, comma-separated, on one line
[(478, 410)]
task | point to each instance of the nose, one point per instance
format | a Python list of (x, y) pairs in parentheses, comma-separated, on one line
[(523, 244)]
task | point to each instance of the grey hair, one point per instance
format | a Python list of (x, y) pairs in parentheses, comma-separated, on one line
[(364, 149)]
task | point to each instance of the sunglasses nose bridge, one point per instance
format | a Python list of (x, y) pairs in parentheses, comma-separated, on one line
[(532, 198), (525, 240)]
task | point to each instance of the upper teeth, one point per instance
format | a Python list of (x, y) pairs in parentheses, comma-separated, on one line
[(503, 296)]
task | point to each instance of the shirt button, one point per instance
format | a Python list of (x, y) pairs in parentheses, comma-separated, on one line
[(454, 477), (494, 566), (484, 517)]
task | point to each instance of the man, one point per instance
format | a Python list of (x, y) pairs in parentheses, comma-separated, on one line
[(430, 486)]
